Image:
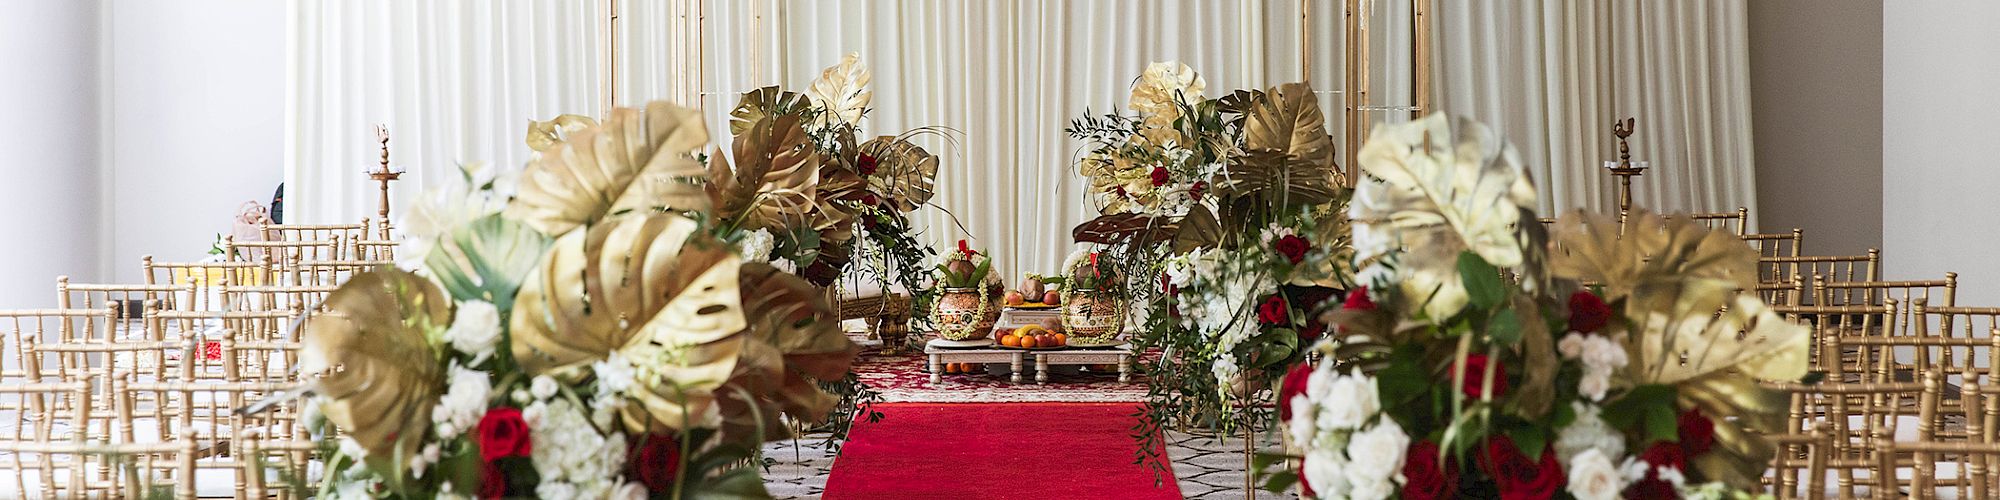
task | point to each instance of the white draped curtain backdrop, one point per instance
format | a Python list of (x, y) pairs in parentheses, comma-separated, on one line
[(459, 81)]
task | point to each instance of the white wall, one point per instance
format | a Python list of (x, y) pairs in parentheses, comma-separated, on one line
[(196, 110), (1940, 143), (1816, 97), (50, 220)]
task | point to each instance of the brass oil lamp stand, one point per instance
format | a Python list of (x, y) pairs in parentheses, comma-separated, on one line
[(383, 174), (1625, 169)]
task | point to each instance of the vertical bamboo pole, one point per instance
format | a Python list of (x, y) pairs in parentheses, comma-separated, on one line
[(1355, 88), (1305, 41), (1420, 42)]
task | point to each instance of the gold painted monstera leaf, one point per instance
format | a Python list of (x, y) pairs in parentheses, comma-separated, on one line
[(764, 103), (634, 161), (369, 356), (1157, 95), (544, 135), (794, 340), (684, 309), (1286, 119), (1694, 325), (773, 181), (843, 90), (905, 175)]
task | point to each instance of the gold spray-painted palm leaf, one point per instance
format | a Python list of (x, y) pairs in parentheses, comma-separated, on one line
[(634, 161), (763, 103), (773, 181), (543, 135), (905, 175), (1286, 119), (843, 90), (370, 357), (1694, 325)]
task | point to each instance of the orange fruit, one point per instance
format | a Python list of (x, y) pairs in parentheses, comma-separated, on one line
[(1028, 342), (1011, 341), (1062, 339)]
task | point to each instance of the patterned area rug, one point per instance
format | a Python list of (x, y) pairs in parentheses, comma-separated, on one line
[(902, 378)]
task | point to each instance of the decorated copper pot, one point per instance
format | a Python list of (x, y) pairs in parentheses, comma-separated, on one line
[(965, 314), (1093, 316)]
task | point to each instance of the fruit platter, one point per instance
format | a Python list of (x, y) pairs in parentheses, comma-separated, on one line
[(1033, 294), (1031, 337)]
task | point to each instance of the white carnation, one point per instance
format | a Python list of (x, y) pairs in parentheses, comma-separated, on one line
[(1592, 476), (757, 245), (475, 329)]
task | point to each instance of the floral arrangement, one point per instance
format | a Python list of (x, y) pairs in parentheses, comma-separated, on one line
[(606, 324), (1224, 218), (1623, 359)]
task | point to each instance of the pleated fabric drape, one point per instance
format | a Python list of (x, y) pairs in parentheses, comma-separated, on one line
[(458, 81), (454, 81), (1551, 75)]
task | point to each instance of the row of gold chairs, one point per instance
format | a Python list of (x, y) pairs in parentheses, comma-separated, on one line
[(133, 390)]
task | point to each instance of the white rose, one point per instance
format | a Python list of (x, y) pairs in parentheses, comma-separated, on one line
[(1603, 353), (1592, 476), (1370, 489), (1343, 405), (1325, 471), (543, 387), (1381, 449), (756, 245), (463, 403), (475, 329)]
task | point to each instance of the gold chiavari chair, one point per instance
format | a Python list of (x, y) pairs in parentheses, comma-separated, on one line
[(1833, 430), (383, 250), (148, 410), (1832, 267), (277, 298), (317, 232), (205, 280), (131, 298), (47, 447), (266, 459), (1775, 245), (1942, 292), (230, 345), (1737, 222), (28, 330), (1938, 463), (282, 254), (332, 273), (1782, 293)]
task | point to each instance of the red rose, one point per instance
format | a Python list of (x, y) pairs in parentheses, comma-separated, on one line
[(1314, 329), (1423, 480), (1475, 376), (820, 273), (869, 200), (1358, 299), (492, 483), (1272, 311), (1292, 247), (1194, 192), (866, 164), (1160, 176), (1587, 312), (502, 433), (1518, 477), (1293, 385), (1662, 454), (657, 461), (1120, 191), (1697, 432)]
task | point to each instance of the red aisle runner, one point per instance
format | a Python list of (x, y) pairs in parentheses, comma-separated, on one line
[(1003, 450)]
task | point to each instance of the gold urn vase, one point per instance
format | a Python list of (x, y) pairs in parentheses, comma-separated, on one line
[(965, 314)]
